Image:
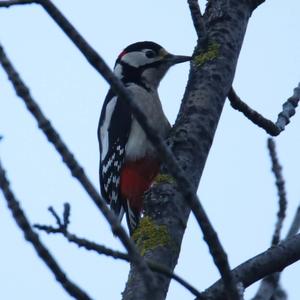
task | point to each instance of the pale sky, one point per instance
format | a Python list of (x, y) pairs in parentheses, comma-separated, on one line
[(237, 187)]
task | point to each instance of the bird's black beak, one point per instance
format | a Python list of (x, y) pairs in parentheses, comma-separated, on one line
[(176, 59)]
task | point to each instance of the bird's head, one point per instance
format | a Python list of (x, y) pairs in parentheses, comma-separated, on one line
[(145, 63)]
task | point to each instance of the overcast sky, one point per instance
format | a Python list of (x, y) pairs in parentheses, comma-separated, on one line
[(237, 187)]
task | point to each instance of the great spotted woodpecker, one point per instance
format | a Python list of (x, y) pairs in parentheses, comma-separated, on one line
[(128, 161)]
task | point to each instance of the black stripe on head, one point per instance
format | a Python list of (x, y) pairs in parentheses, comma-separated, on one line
[(140, 46), (143, 45)]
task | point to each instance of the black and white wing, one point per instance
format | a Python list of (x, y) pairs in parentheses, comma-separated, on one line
[(113, 132)]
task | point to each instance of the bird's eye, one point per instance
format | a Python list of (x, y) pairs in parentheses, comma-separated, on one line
[(150, 53)]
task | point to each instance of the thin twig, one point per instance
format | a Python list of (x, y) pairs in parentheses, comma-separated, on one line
[(185, 186), (15, 2), (66, 215), (80, 242), (276, 168), (274, 129), (55, 215), (76, 170), (269, 284), (22, 221), (62, 228), (197, 19)]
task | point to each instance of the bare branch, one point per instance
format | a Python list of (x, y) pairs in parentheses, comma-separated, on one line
[(22, 221), (76, 170), (273, 260), (56, 217), (62, 228), (245, 269), (100, 249), (276, 168), (66, 215), (269, 286), (15, 2), (271, 128), (198, 20)]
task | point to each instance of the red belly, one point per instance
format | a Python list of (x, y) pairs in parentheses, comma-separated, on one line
[(136, 178)]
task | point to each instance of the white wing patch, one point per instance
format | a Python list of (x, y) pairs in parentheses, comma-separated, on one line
[(104, 128), (131, 216)]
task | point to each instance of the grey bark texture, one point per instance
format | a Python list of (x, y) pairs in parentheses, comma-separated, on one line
[(209, 81)]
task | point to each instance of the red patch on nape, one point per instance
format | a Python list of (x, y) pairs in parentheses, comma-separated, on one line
[(122, 54)]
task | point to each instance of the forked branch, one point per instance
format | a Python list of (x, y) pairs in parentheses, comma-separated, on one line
[(274, 129), (197, 18)]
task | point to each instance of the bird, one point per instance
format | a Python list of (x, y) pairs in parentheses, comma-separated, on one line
[(128, 161)]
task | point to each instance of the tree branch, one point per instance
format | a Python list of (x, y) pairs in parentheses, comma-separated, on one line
[(271, 128), (23, 223), (197, 18), (273, 260), (15, 2), (62, 228), (76, 170), (276, 168), (269, 286)]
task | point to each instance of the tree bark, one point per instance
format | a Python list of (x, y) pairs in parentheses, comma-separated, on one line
[(160, 233)]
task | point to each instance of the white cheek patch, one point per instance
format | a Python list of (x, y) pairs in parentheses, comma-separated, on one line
[(138, 59), (118, 70)]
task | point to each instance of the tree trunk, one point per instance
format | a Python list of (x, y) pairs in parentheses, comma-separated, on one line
[(160, 233)]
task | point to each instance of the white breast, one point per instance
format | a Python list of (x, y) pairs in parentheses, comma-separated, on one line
[(138, 144)]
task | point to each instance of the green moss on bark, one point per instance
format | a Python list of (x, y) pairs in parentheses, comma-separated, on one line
[(211, 53), (164, 178), (149, 235)]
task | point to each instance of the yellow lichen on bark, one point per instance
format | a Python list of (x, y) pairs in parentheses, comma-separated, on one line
[(164, 178), (211, 53), (149, 235)]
